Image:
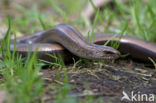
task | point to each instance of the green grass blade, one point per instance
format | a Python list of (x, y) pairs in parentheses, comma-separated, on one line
[(41, 22)]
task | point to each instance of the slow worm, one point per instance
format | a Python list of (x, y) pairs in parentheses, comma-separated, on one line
[(53, 41), (65, 41)]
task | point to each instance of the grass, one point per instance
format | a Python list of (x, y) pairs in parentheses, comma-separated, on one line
[(19, 78), (154, 63), (58, 61), (22, 76)]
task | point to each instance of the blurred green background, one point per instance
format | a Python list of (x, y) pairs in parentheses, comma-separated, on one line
[(134, 17)]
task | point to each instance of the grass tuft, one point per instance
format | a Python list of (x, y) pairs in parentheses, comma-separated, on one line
[(21, 80)]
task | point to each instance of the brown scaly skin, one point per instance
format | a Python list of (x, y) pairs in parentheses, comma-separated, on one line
[(69, 38), (137, 48)]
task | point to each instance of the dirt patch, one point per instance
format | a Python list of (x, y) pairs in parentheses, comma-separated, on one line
[(106, 79)]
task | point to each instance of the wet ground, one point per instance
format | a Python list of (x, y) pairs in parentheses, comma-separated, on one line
[(107, 80)]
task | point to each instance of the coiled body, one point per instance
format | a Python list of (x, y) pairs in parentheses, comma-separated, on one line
[(69, 38), (65, 41)]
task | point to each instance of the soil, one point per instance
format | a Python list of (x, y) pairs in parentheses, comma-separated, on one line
[(106, 80)]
